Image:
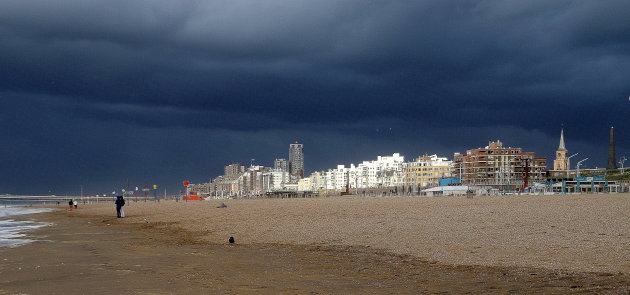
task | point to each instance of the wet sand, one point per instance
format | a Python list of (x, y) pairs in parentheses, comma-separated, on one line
[(330, 246)]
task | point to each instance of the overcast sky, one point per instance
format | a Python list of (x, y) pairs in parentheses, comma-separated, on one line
[(94, 93)]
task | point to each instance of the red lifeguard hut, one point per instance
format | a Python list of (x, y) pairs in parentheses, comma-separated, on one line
[(191, 195)]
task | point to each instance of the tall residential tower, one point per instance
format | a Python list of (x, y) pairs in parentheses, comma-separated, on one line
[(296, 160)]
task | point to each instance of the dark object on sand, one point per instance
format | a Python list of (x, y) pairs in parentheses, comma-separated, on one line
[(222, 205), (231, 240)]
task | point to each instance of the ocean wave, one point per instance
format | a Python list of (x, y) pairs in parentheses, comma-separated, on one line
[(12, 232), (10, 211)]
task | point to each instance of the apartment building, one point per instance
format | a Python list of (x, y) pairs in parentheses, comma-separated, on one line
[(296, 160), (380, 173), (505, 168), (426, 171), (281, 165), (233, 170)]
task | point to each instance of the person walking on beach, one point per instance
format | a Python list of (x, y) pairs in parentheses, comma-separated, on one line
[(76, 204), (70, 205), (120, 202), (122, 209)]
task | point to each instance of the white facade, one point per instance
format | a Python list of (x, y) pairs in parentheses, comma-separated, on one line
[(305, 184), (275, 180), (318, 181), (385, 171)]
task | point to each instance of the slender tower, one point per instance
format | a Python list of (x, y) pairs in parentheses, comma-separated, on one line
[(296, 160), (561, 162), (612, 160)]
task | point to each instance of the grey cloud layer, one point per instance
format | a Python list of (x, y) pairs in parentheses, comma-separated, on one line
[(320, 66), (201, 51)]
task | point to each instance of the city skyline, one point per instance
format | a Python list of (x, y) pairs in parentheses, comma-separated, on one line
[(97, 93), (495, 167), (229, 170)]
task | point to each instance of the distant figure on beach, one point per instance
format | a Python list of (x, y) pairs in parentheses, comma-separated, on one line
[(76, 204), (231, 240), (70, 205), (120, 211), (222, 205)]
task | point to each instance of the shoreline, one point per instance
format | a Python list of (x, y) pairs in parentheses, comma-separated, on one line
[(169, 258)]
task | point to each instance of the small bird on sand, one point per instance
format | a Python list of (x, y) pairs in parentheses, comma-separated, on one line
[(231, 240)]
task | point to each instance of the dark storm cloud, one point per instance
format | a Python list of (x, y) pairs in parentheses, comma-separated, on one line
[(320, 69)]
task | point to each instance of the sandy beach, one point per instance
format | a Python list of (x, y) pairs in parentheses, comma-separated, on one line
[(341, 245)]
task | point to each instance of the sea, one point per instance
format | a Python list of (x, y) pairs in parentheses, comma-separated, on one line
[(13, 232)]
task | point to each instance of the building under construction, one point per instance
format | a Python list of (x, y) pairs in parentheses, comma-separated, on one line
[(507, 169)]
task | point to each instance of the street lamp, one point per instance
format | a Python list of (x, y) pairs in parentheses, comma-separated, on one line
[(577, 180), (569, 163), (621, 161), (578, 167)]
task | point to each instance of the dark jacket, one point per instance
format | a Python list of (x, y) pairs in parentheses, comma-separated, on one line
[(120, 201)]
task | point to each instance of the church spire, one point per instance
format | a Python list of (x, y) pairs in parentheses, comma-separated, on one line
[(561, 146)]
